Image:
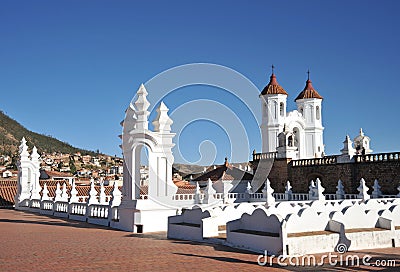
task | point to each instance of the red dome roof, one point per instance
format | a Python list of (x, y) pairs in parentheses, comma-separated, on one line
[(309, 92), (273, 87)]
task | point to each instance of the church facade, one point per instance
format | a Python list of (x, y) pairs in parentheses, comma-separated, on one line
[(296, 134), (293, 147)]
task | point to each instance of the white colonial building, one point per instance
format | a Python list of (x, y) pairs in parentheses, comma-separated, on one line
[(296, 134)]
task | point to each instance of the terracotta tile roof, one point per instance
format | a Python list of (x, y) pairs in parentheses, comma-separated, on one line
[(8, 182), (225, 172), (273, 87), (58, 174), (309, 92), (7, 194)]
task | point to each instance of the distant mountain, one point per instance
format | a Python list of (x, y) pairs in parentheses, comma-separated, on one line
[(11, 133)]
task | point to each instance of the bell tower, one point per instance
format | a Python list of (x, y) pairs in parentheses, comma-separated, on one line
[(309, 105), (273, 107)]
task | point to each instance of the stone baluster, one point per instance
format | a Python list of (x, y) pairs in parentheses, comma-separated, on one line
[(116, 195), (268, 194), (340, 190), (288, 191), (58, 193), (376, 193), (363, 190), (74, 194)]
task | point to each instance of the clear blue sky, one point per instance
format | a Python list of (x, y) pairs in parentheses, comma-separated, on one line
[(70, 68)]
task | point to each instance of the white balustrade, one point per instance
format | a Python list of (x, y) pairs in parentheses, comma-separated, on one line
[(98, 211), (47, 205), (35, 203), (61, 207), (78, 208)]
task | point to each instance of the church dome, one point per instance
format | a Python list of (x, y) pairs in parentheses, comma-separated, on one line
[(309, 92), (273, 87)]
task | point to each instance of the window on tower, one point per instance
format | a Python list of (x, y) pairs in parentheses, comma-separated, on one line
[(318, 113), (282, 109)]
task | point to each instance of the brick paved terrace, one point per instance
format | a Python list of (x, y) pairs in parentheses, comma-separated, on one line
[(31, 242)]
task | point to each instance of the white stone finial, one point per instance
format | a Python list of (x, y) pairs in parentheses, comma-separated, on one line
[(116, 195), (311, 190), (35, 155), (162, 123), (197, 194), (23, 150), (249, 189), (268, 194), (288, 187), (363, 190), (35, 193), (376, 193), (58, 193), (361, 132), (74, 194), (102, 196), (319, 190), (64, 194), (129, 123), (92, 194), (142, 105), (340, 190), (209, 192), (45, 193), (210, 189)]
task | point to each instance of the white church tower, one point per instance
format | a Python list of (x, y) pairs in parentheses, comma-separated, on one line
[(309, 104), (273, 107), (297, 134)]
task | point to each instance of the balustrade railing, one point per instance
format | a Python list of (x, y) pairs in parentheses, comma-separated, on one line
[(98, 210), (61, 207), (394, 156), (78, 208), (47, 205), (317, 161), (35, 203), (264, 156)]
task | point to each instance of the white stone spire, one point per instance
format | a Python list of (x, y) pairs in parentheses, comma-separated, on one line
[(162, 123), (74, 194), (45, 193), (92, 194), (340, 190), (116, 195), (23, 150), (102, 196), (34, 155), (58, 193), (142, 105), (376, 193), (268, 194), (64, 193), (363, 190)]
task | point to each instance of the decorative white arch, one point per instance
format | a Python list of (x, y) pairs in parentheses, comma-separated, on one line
[(137, 135)]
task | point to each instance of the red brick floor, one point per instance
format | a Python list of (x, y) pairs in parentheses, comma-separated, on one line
[(30, 242)]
